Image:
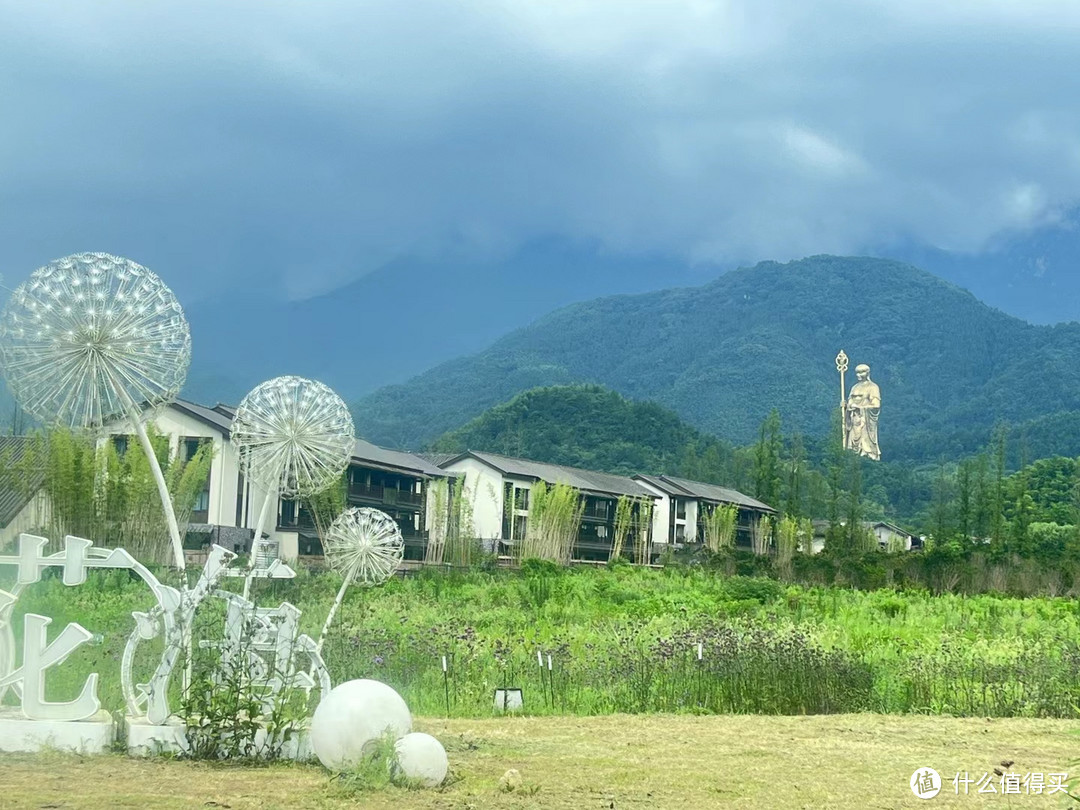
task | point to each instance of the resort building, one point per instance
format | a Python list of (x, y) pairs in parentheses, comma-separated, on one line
[(23, 503), (682, 507), (657, 511), (227, 509), (499, 488)]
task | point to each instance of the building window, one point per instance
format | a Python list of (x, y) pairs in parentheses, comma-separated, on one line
[(680, 508), (521, 525), (239, 499), (521, 498), (288, 513), (680, 532), (190, 445)]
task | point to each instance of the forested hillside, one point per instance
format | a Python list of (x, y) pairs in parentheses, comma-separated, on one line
[(723, 355), (585, 426)]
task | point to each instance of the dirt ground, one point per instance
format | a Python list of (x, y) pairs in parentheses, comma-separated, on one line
[(608, 763)]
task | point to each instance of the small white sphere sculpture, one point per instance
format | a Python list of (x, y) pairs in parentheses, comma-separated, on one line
[(88, 338), (364, 545), (423, 758), (351, 716), (293, 434)]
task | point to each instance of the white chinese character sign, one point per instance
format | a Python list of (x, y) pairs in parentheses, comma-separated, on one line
[(272, 658)]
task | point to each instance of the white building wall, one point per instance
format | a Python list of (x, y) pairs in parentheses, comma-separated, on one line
[(661, 513), (484, 490), (692, 507), (885, 537), (223, 468)]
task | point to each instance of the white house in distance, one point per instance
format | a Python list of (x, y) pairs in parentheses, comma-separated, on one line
[(227, 509), (890, 537), (493, 482), (682, 505)]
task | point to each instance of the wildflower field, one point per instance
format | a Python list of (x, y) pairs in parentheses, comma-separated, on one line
[(591, 641)]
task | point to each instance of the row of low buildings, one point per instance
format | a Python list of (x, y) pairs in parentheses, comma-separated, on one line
[(400, 484)]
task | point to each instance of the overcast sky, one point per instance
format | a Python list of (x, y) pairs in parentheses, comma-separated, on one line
[(299, 145)]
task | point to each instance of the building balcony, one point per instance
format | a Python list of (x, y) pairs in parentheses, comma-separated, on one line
[(385, 495), (596, 512)]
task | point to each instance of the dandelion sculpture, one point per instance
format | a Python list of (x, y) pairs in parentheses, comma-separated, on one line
[(365, 546), (294, 437), (92, 338)]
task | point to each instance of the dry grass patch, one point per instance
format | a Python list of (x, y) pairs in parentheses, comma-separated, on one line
[(622, 762)]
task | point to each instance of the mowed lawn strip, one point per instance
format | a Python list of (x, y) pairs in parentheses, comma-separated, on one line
[(621, 761)]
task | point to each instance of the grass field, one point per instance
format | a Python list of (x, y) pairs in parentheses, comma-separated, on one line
[(618, 761), (628, 641)]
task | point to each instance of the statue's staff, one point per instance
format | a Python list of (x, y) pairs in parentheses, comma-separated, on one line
[(841, 366)]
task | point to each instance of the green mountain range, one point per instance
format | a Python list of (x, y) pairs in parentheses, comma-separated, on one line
[(724, 354)]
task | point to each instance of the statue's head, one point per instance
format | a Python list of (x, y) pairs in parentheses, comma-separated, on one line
[(862, 372)]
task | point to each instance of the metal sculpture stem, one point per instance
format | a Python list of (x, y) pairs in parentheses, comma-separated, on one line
[(333, 610), (256, 542), (159, 477)]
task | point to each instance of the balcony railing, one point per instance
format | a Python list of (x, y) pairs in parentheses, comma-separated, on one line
[(596, 511), (385, 495)]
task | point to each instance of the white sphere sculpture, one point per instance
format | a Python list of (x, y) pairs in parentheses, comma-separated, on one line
[(293, 434), (93, 337), (353, 715), (364, 545), (423, 758)]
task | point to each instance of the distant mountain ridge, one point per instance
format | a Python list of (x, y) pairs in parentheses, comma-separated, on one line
[(723, 354)]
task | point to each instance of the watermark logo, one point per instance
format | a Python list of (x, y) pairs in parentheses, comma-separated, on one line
[(925, 783)]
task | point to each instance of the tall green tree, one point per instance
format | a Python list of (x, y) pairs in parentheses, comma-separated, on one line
[(796, 473), (767, 460), (997, 501)]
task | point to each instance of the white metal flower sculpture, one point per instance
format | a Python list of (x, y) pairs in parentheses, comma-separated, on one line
[(92, 338), (365, 546), (295, 437)]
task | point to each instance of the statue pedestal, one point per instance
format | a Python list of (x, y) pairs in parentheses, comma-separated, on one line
[(146, 739), (94, 735)]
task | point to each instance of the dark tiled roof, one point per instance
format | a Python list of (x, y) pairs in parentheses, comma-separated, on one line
[(682, 488), (208, 416), (438, 459), (368, 453), (221, 416), (585, 480), (14, 494), (666, 487), (892, 526)]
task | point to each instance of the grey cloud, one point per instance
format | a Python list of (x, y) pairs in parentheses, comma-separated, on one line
[(296, 146)]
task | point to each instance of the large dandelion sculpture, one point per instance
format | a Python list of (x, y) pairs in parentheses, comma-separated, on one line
[(294, 437), (365, 546), (92, 338)]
